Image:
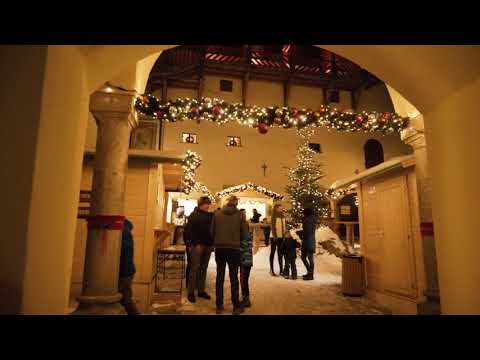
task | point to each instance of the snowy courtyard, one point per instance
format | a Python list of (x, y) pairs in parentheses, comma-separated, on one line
[(279, 296)]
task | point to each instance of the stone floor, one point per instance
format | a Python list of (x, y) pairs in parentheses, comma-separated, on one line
[(278, 296)]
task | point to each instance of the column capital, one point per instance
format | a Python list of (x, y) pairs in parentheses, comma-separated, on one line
[(113, 103), (413, 137)]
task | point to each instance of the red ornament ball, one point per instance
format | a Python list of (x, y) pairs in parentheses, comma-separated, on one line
[(359, 118), (217, 110), (365, 127), (386, 115), (195, 111), (262, 128), (322, 110)]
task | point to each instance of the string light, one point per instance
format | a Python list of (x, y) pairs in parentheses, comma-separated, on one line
[(332, 194), (249, 186), (190, 164), (222, 112)]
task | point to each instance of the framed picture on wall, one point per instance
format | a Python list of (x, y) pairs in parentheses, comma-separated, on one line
[(146, 135), (189, 138), (234, 141)]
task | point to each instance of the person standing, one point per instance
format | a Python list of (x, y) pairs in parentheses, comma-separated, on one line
[(308, 242), (279, 229), (256, 216), (290, 253), (186, 241), (127, 269), (200, 247), (266, 230), (246, 247), (228, 228)]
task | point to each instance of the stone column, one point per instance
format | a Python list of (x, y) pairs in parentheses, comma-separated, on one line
[(416, 139), (115, 117)]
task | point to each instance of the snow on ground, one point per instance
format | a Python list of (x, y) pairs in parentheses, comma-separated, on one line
[(279, 296)]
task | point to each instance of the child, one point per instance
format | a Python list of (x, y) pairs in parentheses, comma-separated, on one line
[(290, 253), (246, 262)]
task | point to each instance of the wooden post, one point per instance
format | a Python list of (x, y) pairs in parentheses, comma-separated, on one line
[(245, 80), (325, 96), (164, 90), (200, 86), (355, 98), (286, 92), (247, 59)]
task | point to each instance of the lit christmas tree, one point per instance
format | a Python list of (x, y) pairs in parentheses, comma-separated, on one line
[(304, 190)]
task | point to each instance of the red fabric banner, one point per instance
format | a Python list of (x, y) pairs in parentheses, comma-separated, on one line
[(105, 222), (426, 229)]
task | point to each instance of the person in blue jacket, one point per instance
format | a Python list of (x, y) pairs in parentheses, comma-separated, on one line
[(127, 269), (308, 242)]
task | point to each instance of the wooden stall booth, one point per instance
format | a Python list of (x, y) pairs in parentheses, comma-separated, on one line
[(391, 242), (144, 207), (252, 196)]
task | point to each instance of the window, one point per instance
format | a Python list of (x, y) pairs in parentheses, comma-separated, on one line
[(234, 141), (315, 147), (189, 138), (373, 153), (226, 85)]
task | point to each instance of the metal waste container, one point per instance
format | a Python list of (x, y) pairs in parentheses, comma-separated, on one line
[(353, 275)]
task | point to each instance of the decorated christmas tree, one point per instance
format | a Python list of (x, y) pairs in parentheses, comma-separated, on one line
[(304, 190)]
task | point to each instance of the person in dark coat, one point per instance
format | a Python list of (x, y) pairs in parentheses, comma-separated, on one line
[(246, 248), (186, 241), (228, 228), (266, 230), (279, 231), (256, 216), (308, 242), (290, 246), (200, 248), (127, 269)]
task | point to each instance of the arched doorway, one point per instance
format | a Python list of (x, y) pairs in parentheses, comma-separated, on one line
[(373, 151), (439, 98), (452, 92)]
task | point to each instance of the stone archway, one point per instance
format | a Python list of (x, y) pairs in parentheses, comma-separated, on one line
[(442, 82)]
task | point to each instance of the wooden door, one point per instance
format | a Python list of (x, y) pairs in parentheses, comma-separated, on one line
[(387, 244), (399, 259), (372, 245)]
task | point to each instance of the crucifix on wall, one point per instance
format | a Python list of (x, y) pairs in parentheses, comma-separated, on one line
[(264, 167)]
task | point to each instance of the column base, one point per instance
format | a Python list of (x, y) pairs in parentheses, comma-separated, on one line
[(433, 294), (100, 305), (429, 307), (99, 309)]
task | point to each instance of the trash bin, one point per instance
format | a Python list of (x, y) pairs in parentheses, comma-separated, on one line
[(353, 275)]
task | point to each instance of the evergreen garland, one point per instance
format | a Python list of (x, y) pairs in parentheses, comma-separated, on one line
[(221, 112)]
